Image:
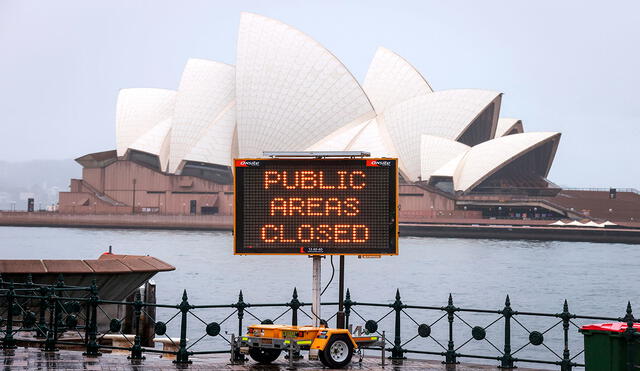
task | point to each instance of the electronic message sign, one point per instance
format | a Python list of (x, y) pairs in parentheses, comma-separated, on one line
[(316, 206)]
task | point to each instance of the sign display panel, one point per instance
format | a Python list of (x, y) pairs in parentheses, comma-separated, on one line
[(316, 206)]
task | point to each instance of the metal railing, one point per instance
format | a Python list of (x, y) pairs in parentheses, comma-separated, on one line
[(620, 190), (39, 314)]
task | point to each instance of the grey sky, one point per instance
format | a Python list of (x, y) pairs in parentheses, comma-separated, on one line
[(568, 66)]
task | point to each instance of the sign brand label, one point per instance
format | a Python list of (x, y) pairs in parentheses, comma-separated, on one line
[(247, 163), (379, 163)]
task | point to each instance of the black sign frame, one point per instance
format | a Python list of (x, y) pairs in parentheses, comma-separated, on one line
[(390, 165)]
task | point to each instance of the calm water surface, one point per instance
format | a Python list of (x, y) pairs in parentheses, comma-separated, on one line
[(596, 279)]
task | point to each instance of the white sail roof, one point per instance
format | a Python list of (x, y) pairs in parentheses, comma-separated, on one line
[(156, 142), (373, 140), (435, 152), (447, 114), (288, 92), (507, 125), (139, 110), (215, 146), (340, 139), (290, 89), (484, 159), (206, 92), (391, 80), (449, 168)]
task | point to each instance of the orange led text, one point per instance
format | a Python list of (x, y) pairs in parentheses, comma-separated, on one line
[(312, 179), (323, 233)]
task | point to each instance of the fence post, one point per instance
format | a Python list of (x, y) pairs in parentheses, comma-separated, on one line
[(507, 312), (397, 351), (347, 308), (52, 327), (566, 354), (294, 304), (183, 356), (136, 349), (630, 337), (92, 344), (41, 330), (383, 347), (240, 305), (59, 309), (450, 356), (9, 342)]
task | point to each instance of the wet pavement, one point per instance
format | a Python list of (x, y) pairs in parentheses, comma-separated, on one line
[(35, 359)]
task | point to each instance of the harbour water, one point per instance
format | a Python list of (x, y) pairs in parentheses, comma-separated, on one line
[(596, 279)]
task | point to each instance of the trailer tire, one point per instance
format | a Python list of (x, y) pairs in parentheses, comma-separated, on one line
[(337, 353), (263, 355)]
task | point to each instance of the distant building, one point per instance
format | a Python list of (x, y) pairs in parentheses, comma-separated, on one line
[(457, 156), (23, 196)]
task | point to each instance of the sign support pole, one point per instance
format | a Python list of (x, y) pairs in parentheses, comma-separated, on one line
[(340, 322), (316, 290)]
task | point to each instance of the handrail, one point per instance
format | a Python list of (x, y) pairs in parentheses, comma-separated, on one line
[(50, 313), (619, 190), (102, 196)]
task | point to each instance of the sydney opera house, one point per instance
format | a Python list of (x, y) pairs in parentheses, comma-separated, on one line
[(458, 157)]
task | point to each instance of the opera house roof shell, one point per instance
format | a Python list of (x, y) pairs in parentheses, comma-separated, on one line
[(288, 93)]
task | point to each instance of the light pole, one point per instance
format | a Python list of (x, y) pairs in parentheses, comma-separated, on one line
[(133, 203)]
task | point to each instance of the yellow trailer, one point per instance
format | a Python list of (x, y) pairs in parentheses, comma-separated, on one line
[(333, 347)]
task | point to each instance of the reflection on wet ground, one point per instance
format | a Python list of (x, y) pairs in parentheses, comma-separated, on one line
[(35, 359)]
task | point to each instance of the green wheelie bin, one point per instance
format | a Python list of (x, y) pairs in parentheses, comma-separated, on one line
[(605, 347)]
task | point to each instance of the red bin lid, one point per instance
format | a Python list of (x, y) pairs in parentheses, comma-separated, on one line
[(611, 327)]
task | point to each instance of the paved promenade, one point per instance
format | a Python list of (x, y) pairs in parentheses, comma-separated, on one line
[(34, 359)]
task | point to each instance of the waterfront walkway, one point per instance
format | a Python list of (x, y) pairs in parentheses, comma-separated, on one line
[(35, 359), (418, 226)]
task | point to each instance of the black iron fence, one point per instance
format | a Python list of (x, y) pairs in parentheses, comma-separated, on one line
[(56, 315)]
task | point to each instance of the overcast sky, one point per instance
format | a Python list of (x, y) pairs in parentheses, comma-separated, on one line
[(567, 66)]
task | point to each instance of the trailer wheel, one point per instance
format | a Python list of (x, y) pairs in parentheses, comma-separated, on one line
[(337, 353), (264, 356)]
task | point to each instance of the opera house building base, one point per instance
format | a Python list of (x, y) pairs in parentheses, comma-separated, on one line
[(112, 186), (129, 186), (459, 160)]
